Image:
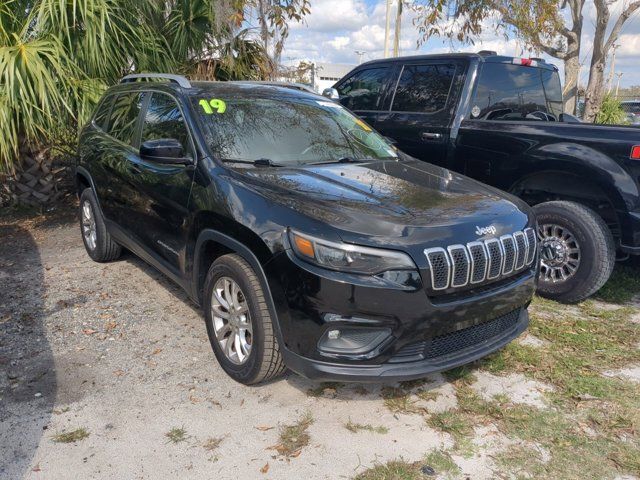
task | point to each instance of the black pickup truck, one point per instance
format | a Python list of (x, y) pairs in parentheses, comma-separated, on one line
[(499, 120)]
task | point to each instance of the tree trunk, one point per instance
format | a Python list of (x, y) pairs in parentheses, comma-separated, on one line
[(595, 88), (570, 92), (572, 58), (595, 91), (38, 182)]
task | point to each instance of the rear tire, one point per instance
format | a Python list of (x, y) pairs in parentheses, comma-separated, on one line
[(239, 324), (97, 241), (571, 231)]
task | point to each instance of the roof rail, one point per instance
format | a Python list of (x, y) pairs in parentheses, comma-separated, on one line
[(487, 53), (179, 79)]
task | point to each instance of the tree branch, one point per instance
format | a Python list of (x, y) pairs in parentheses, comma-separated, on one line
[(535, 41), (615, 31)]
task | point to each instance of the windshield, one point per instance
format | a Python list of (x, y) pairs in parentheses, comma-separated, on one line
[(291, 131)]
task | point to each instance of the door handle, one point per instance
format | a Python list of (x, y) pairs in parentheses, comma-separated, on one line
[(426, 136)]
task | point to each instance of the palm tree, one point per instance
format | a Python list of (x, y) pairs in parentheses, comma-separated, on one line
[(57, 57)]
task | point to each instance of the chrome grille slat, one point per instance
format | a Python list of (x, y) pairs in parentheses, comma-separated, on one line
[(460, 261), (521, 249), (440, 267), (456, 266), (496, 258), (530, 235), (509, 251), (479, 257)]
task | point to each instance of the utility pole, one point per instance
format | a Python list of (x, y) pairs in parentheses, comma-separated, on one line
[(612, 70), (360, 53), (386, 30), (396, 39), (619, 75)]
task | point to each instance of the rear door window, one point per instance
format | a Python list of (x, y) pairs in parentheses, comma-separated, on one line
[(515, 92), (164, 119), (364, 90), (423, 88), (124, 117)]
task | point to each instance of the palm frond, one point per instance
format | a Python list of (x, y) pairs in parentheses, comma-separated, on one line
[(36, 93)]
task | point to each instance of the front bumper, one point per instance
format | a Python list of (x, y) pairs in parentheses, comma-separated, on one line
[(325, 371), (308, 305)]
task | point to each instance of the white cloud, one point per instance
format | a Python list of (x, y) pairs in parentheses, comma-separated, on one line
[(335, 29), (339, 43), (335, 16)]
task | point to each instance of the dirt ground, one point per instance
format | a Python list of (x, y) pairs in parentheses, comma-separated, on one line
[(106, 373)]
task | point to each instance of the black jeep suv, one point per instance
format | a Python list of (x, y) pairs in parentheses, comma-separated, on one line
[(310, 242)]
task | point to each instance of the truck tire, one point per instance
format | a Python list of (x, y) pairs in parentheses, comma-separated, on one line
[(97, 240), (577, 251), (239, 324)]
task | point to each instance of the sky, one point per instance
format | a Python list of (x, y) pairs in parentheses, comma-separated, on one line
[(336, 29)]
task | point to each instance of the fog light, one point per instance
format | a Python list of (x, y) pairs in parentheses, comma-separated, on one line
[(352, 340), (333, 334)]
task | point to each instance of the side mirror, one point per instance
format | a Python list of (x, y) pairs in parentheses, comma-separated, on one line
[(331, 93), (164, 150)]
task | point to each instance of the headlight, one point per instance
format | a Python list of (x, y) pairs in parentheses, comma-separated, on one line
[(346, 257)]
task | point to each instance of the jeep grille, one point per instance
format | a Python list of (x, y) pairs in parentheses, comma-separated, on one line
[(476, 262)]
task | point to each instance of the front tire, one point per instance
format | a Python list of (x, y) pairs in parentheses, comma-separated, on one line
[(239, 324), (97, 240), (577, 251)]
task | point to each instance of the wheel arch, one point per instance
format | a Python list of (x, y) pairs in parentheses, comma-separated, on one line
[(558, 183), (211, 244), (83, 180)]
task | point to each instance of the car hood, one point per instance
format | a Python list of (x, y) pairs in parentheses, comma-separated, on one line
[(385, 202)]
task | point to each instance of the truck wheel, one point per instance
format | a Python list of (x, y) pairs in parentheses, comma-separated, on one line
[(577, 252), (97, 240), (239, 325)]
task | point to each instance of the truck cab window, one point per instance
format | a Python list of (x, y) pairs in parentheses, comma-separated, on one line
[(423, 88), (515, 92), (364, 89)]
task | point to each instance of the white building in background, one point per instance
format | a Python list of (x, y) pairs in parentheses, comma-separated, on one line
[(325, 75)]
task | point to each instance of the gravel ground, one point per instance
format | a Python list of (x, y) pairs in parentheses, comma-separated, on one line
[(120, 352)]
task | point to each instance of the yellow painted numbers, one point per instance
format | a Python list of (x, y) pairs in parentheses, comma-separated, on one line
[(214, 105)]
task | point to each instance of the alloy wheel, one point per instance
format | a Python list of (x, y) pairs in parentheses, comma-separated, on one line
[(559, 253), (232, 320), (89, 225)]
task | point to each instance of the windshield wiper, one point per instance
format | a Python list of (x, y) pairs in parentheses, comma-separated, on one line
[(340, 160), (260, 162)]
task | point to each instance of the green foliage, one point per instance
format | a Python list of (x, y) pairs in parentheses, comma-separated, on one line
[(611, 112), (535, 21), (57, 57)]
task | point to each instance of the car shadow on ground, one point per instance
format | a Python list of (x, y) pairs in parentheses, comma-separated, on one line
[(28, 384), (165, 282)]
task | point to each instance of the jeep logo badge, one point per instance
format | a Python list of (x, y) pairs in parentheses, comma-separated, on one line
[(485, 230)]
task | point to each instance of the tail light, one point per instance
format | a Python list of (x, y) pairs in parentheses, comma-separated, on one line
[(526, 62), (635, 152)]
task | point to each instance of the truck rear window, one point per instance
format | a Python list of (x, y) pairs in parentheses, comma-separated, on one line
[(515, 92)]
